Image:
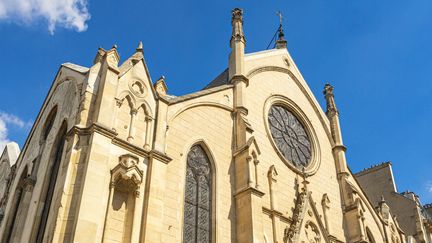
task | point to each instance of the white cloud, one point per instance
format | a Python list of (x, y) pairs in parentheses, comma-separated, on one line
[(70, 14), (3, 135), (9, 119), (429, 186)]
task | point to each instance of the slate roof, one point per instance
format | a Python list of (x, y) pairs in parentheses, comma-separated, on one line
[(221, 79)]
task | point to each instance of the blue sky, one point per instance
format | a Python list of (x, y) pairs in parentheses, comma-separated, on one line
[(377, 54)]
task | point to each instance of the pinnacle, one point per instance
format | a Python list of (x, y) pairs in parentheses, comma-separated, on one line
[(140, 46)]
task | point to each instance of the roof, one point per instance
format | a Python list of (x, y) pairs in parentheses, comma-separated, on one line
[(221, 79), (10, 153), (373, 168), (176, 99), (75, 67)]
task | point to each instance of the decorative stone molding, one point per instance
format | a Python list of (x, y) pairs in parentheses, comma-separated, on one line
[(237, 23), (28, 183), (127, 173), (291, 233), (272, 180), (331, 105), (161, 87), (138, 88), (312, 232), (325, 203)]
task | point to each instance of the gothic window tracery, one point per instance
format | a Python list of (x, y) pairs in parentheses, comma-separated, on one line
[(290, 136), (198, 201), (312, 233)]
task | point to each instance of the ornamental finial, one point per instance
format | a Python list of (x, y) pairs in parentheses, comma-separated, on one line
[(281, 42), (237, 26), (140, 47), (328, 89), (237, 15), (329, 96)]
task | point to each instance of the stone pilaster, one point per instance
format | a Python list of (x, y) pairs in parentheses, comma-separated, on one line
[(237, 44), (107, 90), (248, 200), (152, 228), (351, 204)]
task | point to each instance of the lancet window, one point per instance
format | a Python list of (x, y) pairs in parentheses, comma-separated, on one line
[(51, 181), (198, 197)]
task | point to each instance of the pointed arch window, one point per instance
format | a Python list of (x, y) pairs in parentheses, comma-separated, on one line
[(198, 197), (369, 235), (49, 187), (49, 123)]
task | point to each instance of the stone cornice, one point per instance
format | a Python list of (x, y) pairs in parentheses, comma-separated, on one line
[(250, 190), (160, 156), (276, 213), (339, 147), (108, 133), (239, 78)]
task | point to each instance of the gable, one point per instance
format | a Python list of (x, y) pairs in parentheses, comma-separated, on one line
[(135, 83)]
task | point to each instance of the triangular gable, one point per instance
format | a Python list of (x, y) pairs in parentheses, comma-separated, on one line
[(307, 225), (136, 60)]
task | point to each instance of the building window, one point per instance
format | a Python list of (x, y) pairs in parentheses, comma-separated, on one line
[(198, 197), (370, 236), (11, 230), (52, 178), (290, 136), (49, 122)]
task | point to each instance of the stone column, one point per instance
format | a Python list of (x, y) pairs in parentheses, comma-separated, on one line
[(147, 145), (161, 126), (132, 125)]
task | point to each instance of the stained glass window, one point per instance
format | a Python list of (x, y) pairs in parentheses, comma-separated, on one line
[(197, 207), (289, 136)]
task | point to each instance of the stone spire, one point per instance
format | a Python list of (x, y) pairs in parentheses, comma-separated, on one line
[(237, 44), (333, 116), (329, 96), (352, 213), (237, 26)]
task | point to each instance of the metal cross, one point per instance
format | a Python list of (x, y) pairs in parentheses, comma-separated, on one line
[(279, 13)]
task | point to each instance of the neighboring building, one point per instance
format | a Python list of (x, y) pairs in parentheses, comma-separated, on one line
[(250, 158), (414, 219), (8, 158)]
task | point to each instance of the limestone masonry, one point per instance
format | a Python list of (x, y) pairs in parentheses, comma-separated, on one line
[(252, 157)]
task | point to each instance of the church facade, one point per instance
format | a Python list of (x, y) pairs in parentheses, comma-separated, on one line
[(112, 157)]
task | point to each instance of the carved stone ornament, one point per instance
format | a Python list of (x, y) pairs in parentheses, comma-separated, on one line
[(137, 88), (290, 136), (127, 172), (291, 233), (312, 233)]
